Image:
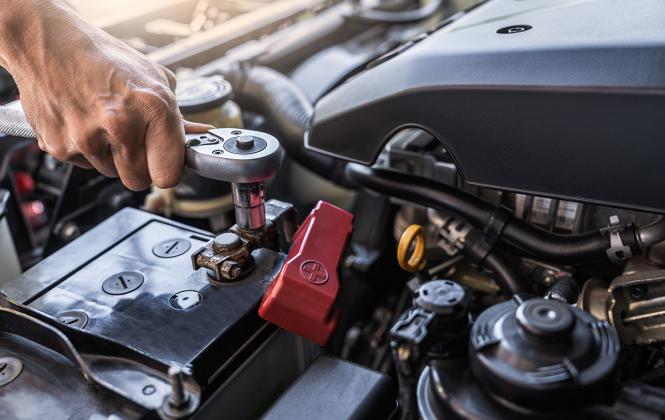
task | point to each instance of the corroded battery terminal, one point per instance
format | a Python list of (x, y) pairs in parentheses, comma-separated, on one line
[(246, 159)]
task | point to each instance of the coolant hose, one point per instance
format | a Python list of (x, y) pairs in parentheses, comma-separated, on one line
[(505, 276), (569, 249), (652, 234), (13, 122), (287, 109)]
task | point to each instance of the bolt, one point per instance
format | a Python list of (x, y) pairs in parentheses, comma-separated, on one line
[(638, 291), (69, 231), (236, 132), (217, 152), (179, 396), (226, 242), (403, 353), (549, 279)]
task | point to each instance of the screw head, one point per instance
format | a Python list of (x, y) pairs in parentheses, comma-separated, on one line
[(217, 152), (514, 29), (149, 390)]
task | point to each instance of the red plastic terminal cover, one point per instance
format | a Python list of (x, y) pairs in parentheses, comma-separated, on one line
[(302, 299)]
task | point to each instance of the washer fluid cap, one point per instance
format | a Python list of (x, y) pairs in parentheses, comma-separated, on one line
[(538, 353), (200, 94), (443, 297)]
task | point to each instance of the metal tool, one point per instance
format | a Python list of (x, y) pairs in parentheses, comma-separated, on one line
[(244, 158)]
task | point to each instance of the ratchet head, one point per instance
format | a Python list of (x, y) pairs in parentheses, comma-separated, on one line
[(234, 155)]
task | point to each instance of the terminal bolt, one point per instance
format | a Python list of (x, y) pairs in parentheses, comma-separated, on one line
[(227, 257)]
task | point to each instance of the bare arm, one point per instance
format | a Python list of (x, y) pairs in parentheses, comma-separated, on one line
[(91, 99)]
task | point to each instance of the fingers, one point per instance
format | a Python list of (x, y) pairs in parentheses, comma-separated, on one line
[(171, 77), (165, 151), (139, 137), (80, 161), (94, 148), (127, 150), (164, 139), (124, 146), (195, 128), (132, 166)]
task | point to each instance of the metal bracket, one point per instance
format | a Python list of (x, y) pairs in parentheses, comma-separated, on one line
[(87, 351), (618, 251), (454, 233)]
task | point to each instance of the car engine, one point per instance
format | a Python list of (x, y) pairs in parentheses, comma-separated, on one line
[(408, 209)]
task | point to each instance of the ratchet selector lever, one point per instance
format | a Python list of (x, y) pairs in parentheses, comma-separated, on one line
[(244, 158)]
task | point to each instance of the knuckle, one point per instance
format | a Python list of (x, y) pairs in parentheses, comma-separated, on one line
[(162, 95), (136, 184), (57, 150), (171, 77), (166, 180), (123, 150), (86, 145), (158, 103), (114, 126)]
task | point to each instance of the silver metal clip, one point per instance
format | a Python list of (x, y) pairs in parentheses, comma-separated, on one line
[(618, 251)]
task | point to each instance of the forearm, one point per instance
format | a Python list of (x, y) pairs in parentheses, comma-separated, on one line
[(26, 37)]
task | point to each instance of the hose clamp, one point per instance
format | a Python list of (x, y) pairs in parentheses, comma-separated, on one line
[(497, 224), (618, 251)]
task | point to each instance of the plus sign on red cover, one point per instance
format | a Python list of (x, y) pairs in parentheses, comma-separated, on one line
[(302, 299)]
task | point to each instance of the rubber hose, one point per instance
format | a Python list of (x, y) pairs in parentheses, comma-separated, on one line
[(569, 249), (652, 233), (505, 276), (489, 258), (287, 109), (13, 122)]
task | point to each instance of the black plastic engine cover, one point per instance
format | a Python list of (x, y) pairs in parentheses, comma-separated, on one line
[(562, 98)]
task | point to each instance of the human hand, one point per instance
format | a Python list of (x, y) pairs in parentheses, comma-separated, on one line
[(91, 99)]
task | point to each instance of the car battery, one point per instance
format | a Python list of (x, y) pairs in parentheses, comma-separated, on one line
[(128, 284)]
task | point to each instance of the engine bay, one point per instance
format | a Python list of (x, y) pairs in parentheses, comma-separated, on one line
[(406, 209)]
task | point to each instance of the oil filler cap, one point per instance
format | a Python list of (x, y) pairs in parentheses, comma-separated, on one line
[(302, 298)]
